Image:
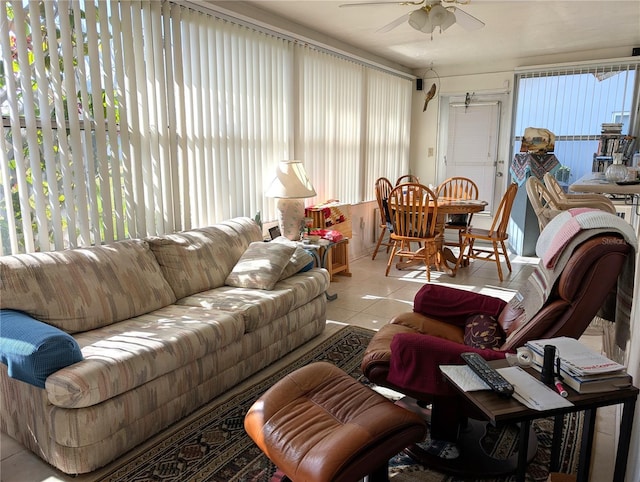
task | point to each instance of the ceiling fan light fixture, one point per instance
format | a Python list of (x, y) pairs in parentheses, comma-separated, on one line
[(449, 20), (441, 17), (428, 27), (419, 18)]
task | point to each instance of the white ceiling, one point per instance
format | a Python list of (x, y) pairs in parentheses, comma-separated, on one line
[(516, 32)]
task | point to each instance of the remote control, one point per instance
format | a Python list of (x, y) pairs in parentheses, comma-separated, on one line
[(489, 375)]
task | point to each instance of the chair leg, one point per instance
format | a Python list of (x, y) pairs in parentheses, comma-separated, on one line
[(427, 263), (375, 251), (461, 254), (391, 256), (460, 231), (496, 254), (506, 256)]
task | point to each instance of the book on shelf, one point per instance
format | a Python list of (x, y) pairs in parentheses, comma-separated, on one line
[(593, 383), (575, 358), (611, 128)]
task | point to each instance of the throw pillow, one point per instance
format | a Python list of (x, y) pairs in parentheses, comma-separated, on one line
[(260, 266), (301, 260), (33, 350), (483, 331)]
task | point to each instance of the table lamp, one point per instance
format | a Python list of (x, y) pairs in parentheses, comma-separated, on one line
[(290, 186)]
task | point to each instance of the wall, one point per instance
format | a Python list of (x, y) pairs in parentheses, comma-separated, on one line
[(364, 225), (425, 153)]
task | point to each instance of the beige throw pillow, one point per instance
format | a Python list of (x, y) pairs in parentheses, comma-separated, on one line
[(299, 260), (260, 266)]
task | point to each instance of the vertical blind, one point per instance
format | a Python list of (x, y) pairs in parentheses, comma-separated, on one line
[(133, 118), (573, 103)]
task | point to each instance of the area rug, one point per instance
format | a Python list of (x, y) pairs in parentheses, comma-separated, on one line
[(211, 444)]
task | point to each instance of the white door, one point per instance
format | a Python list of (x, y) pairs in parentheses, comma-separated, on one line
[(472, 146)]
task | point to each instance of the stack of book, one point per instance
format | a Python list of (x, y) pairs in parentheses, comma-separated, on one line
[(581, 368), (611, 128)]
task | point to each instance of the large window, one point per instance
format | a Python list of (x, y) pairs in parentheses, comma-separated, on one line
[(573, 103), (126, 119)]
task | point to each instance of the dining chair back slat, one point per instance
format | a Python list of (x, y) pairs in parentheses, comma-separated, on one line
[(414, 210), (405, 178), (496, 235), (458, 188), (501, 219), (383, 188)]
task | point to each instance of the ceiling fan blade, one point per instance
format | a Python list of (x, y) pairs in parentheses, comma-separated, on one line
[(398, 21), (360, 4), (467, 21)]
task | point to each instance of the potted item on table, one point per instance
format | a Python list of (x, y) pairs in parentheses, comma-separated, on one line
[(563, 174)]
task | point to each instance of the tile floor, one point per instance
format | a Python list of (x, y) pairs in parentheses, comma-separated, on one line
[(370, 299)]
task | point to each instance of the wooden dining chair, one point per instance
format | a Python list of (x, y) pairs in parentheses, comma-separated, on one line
[(414, 209), (407, 178), (383, 188), (496, 235), (458, 188)]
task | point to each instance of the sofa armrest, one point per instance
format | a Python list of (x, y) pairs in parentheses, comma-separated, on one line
[(33, 350)]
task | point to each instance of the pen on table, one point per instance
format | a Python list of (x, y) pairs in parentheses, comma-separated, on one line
[(563, 393)]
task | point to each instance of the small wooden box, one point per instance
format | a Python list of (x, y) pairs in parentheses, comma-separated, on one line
[(332, 216)]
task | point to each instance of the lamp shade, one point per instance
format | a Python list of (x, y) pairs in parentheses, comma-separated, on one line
[(441, 17), (419, 18), (291, 182)]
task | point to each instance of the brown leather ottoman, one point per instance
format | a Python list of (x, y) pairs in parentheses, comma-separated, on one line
[(318, 424)]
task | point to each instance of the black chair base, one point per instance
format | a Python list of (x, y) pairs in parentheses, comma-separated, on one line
[(473, 461)]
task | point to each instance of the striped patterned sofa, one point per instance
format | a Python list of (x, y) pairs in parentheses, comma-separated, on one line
[(161, 334)]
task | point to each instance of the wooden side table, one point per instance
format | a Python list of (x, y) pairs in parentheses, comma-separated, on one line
[(337, 258), (507, 410)]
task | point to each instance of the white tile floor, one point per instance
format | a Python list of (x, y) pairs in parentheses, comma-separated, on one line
[(369, 299)]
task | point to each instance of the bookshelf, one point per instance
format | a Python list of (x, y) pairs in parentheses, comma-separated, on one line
[(612, 142)]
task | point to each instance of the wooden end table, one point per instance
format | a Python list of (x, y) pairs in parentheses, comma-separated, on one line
[(500, 410)]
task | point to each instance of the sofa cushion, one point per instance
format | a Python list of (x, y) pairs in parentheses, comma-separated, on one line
[(242, 231), (260, 307), (33, 350), (193, 261), (85, 288), (126, 355), (261, 266)]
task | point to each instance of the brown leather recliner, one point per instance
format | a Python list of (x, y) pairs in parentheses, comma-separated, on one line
[(587, 280), (579, 292)]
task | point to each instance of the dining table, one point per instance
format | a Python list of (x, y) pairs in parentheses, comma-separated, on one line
[(598, 183), (446, 260)]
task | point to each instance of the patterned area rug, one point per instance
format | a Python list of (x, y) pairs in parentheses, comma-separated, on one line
[(211, 445)]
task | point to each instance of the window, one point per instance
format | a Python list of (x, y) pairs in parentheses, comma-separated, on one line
[(127, 119), (573, 103)]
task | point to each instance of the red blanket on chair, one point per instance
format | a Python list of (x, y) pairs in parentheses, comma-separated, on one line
[(416, 358)]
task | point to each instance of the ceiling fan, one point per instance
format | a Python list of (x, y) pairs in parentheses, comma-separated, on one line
[(430, 15)]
